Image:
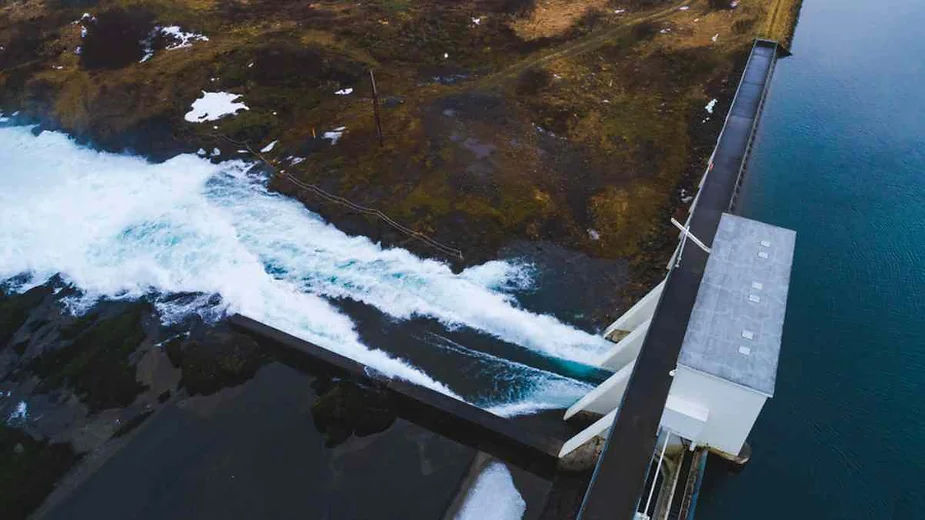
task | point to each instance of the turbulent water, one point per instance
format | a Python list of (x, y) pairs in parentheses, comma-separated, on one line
[(117, 226), (493, 496)]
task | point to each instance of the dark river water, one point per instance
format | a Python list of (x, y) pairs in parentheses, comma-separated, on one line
[(840, 158)]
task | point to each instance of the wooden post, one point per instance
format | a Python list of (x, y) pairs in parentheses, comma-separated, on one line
[(372, 81)]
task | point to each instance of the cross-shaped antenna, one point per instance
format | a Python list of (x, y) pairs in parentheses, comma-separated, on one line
[(687, 233)]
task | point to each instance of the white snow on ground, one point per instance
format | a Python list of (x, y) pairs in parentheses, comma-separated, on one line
[(715, 37), (684, 8), (619, 11), (269, 148), (213, 106), (179, 39), (335, 135), (477, 21), (19, 414), (344, 91), (493, 497), (710, 106)]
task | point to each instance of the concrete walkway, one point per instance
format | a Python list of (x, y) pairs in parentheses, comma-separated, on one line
[(621, 472)]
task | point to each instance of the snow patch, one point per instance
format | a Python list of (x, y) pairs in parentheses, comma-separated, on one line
[(335, 135), (269, 148), (181, 38), (213, 106), (344, 91), (710, 106)]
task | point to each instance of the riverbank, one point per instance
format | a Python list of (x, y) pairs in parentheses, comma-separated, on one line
[(581, 124)]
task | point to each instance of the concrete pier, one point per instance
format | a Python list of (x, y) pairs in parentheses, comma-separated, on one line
[(534, 451)]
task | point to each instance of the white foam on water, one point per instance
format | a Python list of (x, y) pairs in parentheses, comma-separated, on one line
[(20, 414), (528, 389), (117, 226), (493, 497)]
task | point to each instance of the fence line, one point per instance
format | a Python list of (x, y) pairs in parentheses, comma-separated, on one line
[(336, 199)]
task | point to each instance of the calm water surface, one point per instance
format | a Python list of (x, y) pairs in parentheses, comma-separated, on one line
[(840, 158)]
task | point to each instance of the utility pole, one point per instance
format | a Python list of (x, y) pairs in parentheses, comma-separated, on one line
[(372, 81)]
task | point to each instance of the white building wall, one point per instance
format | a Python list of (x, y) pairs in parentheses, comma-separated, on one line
[(733, 409)]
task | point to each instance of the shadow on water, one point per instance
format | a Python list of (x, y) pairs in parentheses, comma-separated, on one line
[(256, 451)]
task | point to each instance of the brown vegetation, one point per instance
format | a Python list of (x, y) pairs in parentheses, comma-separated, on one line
[(504, 119)]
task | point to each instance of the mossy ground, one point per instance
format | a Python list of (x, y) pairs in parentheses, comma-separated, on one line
[(504, 119)]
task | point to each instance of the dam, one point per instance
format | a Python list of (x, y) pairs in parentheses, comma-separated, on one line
[(711, 330), (693, 361)]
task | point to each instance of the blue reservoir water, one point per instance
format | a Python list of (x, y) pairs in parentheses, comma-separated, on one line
[(840, 158)]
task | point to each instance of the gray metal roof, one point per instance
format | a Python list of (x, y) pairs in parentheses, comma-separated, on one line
[(735, 328)]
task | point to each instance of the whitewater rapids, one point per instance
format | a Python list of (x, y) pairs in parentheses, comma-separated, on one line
[(118, 227)]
